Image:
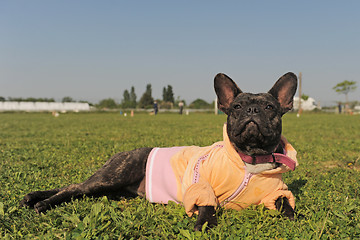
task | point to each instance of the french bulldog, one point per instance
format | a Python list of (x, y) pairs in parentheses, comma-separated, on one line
[(243, 169)]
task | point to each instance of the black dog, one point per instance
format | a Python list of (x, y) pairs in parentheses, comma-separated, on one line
[(246, 158)]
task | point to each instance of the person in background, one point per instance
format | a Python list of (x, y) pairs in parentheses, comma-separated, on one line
[(155, 107), (181, 107)]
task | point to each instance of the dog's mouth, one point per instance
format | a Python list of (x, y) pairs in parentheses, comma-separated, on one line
[(250, 139), (252, 129), (253, 136)]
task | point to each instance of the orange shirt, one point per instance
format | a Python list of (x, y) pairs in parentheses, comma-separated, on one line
[(216, 175)]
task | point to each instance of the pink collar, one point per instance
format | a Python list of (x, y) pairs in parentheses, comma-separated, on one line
[(270, 158)]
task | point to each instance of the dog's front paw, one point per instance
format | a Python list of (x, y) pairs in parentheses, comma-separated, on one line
[(42, 206), (206, 214), (30, 199), (283, 205)]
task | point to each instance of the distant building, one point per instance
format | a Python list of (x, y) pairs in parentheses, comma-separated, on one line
[(44, 106), (308, 105)]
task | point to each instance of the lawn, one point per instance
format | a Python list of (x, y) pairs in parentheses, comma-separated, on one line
[(39, 151)]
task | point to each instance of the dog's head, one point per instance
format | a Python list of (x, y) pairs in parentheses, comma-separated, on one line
[(254, 120)]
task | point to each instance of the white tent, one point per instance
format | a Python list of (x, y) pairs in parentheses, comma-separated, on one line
[(307, 105), (44, 106)]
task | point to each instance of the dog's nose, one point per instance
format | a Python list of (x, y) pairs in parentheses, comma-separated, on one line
[(252, 110)]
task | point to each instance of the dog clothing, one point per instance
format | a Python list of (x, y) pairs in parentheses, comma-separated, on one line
[(213, 176)]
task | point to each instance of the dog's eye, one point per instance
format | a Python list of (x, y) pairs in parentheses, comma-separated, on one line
[(237, 106), (269, 107)]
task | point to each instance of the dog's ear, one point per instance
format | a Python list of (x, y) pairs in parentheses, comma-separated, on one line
[(226, 91), (284, 90)]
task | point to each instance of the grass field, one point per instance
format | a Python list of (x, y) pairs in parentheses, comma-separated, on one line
[(38, 152)]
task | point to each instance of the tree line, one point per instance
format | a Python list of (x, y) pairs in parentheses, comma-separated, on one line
[(129, 100), (146, 101)]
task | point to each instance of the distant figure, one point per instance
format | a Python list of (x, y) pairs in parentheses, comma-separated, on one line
[(155, 107), (181, 106), (339, 106)]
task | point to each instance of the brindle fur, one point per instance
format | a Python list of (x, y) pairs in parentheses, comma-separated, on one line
[(122, 175)]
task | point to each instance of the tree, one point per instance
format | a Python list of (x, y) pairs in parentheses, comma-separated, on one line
[(67, 99), (345, 87), (126, 99), (200, 104), (107, 103), (133, 97), (304, 97), (164, 94), (129, 99), (2, 99), (168, 95), (146, 101)]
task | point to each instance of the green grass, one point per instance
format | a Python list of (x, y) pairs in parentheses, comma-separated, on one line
[(38, 152)]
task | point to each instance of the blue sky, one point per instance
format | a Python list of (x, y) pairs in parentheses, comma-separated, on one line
[(91, 50)]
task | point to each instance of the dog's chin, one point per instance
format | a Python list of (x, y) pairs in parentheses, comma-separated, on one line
[(249, 150), (251, 135)]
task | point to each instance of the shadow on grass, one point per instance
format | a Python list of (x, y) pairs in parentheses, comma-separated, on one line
[(296, 186)]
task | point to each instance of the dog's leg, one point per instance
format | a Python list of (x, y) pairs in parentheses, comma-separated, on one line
[(283, 205), (123, 170), (34, 197), (206, 214)]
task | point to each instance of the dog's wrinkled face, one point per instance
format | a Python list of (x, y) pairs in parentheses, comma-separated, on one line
[(254, 123), (254, 120)]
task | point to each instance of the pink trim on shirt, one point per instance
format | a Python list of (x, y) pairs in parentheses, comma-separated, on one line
[(243, 184), (161, 186), (197, 166)]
